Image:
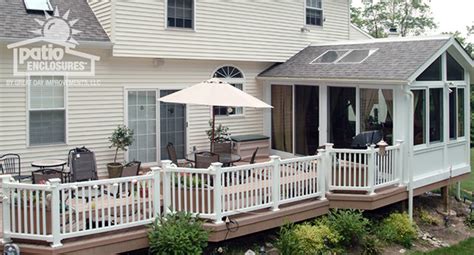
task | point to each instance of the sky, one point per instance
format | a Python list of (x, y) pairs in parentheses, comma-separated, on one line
[(450, 15)]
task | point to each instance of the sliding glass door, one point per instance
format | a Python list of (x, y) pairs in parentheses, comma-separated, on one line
[(295, 119), (342, 116)]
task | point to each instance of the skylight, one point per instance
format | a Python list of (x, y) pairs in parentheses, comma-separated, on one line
[(348, 56), (356, 56), (38, 5), (329, 56)]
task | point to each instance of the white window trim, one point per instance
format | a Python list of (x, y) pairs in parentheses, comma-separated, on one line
[(232, 81), (306, 7), (65, 108), (183, 29)]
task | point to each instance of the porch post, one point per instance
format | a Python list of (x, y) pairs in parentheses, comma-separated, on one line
[(399, 162), (6, 200), (166, 164), (321, 168), (156, 192), (371, 174), (55, 213), (216, 169), (328, 166), (275, 182)]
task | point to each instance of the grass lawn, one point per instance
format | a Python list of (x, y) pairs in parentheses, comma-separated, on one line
[(465, 247), (468, 185)]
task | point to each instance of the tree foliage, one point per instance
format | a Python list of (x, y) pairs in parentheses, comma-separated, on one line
[(410, 17)]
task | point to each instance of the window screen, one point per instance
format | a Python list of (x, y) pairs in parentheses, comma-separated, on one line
[(47, 113)]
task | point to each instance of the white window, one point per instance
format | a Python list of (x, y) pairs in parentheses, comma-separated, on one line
[(234, 77), (180, 13), (47, 110), (314, 12)]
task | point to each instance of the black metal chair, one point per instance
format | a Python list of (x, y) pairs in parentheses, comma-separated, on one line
[(254, 156), (44, 175), (172, 155), (11, 164)]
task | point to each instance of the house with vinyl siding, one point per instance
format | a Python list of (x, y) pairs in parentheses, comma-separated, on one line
[(327, 80)]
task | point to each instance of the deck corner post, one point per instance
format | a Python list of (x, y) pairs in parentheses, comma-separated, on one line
[(156, 192), (276, 182), (216, 169), (328, 165), (321, 167), (6, 200), (372, 168), (55, 212), (166, 165), (399, 162)]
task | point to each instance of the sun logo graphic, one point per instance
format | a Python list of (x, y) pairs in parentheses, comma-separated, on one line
[(52, 52)]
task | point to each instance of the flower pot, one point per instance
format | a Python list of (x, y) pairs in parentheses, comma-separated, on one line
[(114, 169)]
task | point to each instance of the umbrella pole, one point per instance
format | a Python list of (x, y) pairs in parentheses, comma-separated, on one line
[(213, 128)]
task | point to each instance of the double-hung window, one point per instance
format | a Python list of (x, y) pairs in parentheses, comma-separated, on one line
[(180, 13), (314, 12), (47, 110)]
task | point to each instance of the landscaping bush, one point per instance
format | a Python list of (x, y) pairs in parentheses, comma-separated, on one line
[(287, 242), (179, 234), (397, 228), (350, 224), (428, 219), (371, 245)]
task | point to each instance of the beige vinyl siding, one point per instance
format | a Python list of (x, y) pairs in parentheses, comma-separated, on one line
[(103, 11), (356, 34), (226, 30), (94, 111)]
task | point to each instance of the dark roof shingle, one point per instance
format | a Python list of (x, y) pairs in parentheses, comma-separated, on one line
[(394, 60), (17, 22)]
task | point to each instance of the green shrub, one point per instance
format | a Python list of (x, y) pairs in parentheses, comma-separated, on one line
[(371, 245), (287, 243), (179, 234), (428, 219), (350, 224), (397, 228), (308, 239)]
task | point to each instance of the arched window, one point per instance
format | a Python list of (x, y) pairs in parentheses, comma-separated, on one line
[(234, 77)]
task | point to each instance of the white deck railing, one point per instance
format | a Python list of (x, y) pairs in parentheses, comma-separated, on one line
[(53, 211)]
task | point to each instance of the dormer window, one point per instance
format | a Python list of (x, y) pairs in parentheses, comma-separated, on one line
[(180, 13), (314, 12)]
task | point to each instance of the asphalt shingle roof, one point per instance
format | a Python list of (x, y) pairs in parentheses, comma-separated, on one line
[(17, 22), (394, 60)]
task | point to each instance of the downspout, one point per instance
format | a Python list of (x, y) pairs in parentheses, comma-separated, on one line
[(409, 144)]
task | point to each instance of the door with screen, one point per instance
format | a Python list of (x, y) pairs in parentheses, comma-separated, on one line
[(172, 127)]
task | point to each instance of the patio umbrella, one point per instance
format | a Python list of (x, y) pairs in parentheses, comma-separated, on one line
[(214, 92)]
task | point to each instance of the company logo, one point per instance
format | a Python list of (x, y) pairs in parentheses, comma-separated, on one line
[(52, 52)]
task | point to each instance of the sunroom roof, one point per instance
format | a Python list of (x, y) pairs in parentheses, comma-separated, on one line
[(377, 59)]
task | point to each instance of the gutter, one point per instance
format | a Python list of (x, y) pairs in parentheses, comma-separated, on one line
[(83, 44), (340, 80)]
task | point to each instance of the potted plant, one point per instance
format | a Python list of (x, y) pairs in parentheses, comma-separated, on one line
[(121, 138), (221, 134)]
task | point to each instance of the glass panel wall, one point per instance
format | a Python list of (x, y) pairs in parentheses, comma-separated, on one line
[(419, 124), (452, 114), (376, 111), (282, 118), (342, 116), (436, 115), (461, 122), (306, 120)]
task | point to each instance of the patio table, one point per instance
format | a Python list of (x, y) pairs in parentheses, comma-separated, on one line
[(48, 163), (225, 158)]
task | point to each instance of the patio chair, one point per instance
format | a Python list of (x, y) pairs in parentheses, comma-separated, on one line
[(205, 159), (44, 175), (82, 167), (172, 155), (11, 164)]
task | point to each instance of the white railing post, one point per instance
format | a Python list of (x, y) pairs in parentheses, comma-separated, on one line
[(55, 212), (321, 168), (216, 169), (399, 162), (371, 174), (276, 161), (6, 200), (328, 166), (156, 192), (166, 165)]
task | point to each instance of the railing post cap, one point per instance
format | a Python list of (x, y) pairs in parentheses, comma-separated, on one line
[(55, 181), (166, 162), (399, 141), (275, 157), (216, 164), (6, 177), (329, 145)]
